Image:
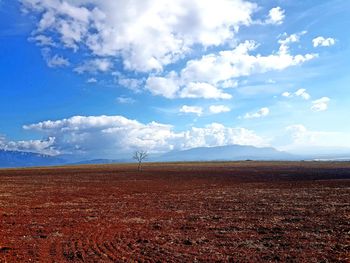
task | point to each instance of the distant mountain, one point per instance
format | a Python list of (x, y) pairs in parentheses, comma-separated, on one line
[(227, 153), (219, 153), (320, 153), (103, 161), (27, 159)]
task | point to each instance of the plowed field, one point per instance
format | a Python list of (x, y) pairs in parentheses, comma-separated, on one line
[(194, 212)]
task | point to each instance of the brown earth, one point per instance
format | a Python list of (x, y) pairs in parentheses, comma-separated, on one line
[(194, 212)]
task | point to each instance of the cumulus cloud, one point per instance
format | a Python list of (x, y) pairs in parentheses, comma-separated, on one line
[(263, 112), (192, 109), (317, 105), (238, 62), (323, 42), (286, 94), (320, 104), (203, 90), (130, 83), (108, 136), (230, 83), (145, 35), (207, 76), (94, 66), (299, 93), (91, 80), (288, 40), (301, 138), (216, 134), (36, 146), (276, 16), (125, 100), (215, 109), (303, 94), (54, 61), (42, 40), (170, 87), (163, 86), (105, 135)]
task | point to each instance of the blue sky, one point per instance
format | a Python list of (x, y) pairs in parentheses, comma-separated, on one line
[(103, 79)]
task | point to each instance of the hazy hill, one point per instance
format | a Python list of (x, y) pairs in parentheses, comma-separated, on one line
[(103, 161), (220, 153), (227, 153), (26, 159)]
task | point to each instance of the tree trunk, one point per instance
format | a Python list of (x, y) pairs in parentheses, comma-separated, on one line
[(139, 168)]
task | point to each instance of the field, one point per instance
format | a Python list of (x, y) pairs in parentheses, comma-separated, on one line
[(181, 212)]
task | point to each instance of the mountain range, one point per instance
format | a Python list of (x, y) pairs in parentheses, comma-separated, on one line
[(226, 153), (219, 153), (27, 159)]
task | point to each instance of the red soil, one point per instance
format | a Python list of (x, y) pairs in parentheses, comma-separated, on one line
[(209, 212)]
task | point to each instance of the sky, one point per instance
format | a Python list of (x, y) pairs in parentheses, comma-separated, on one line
[(105, 78)]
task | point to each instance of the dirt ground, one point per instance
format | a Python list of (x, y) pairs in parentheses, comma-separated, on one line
[(194, 212)]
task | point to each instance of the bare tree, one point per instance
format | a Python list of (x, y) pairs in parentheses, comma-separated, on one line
[(139, 156)]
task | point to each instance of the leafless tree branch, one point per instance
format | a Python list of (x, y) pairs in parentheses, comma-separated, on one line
[(140, 156)]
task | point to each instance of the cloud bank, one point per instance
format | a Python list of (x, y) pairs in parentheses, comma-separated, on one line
[(147, 35), (146, 38), (112, 136)]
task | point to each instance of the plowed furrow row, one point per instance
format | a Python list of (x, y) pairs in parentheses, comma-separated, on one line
[(68, 251), (100, 253), (79, 250), (102, 244), (55, 252)]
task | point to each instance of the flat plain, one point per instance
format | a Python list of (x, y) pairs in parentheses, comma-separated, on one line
[(177, 212)]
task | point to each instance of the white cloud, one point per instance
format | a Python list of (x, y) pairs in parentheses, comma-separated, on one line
[(299, 93), (91, 80), (235, 63), (94, 66), (145, 35), (203, 90), (148, 36), (169, 87), (163, 86), (36, 146), (125, 100), (323, 42), (109, 136), (54, 61), (276, 16), (303, 94), (263, 112), (105, 135), (317, 105), (205, 77), (303, 138), (227, 84), (289, 39), (131, 83), (216, 134), (286, 94), (215, 109), (320, 104), (192, 109), (42, 40)]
